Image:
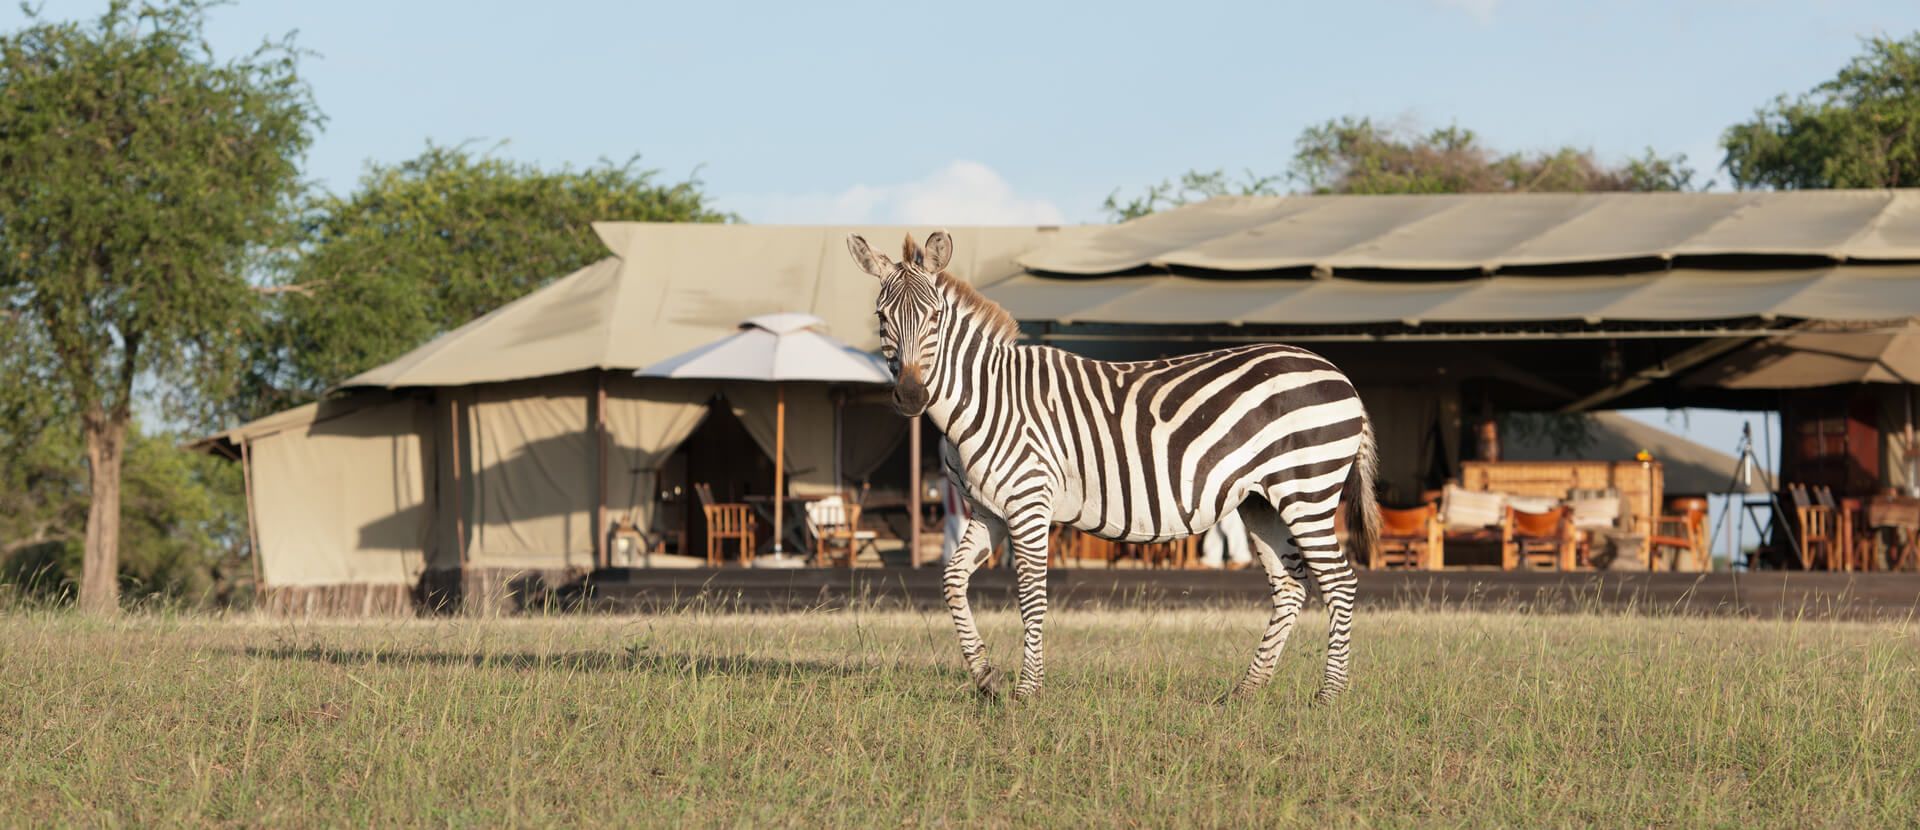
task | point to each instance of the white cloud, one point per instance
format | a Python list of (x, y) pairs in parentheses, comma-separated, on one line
[(961, 193), (1480, 10)]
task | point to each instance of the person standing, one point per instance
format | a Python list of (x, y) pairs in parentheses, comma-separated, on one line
[(1231, 535)]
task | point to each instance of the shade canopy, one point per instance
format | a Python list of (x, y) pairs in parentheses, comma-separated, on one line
[(1824, 359), (787, 346)]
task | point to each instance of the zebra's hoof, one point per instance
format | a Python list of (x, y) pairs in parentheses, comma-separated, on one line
[(988, 683), (1231, 695), (1326, 696)]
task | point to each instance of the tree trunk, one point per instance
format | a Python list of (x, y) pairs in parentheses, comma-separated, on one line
[(100, 569)]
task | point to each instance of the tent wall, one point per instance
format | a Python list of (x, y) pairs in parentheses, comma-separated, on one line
[(531, 474), (646, 420), (343, 499)]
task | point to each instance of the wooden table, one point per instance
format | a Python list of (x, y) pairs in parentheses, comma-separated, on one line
[(1897, 519)]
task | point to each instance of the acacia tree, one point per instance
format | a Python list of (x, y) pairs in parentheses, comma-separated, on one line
[(137, 175), (1356, 155), (1861, 129), (424, 246)]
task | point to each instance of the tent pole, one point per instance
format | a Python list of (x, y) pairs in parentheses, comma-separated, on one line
[(253, 526), (779, 464), (913, 492), (602, 557)]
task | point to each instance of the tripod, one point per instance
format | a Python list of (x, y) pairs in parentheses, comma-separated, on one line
[(1737, 487)]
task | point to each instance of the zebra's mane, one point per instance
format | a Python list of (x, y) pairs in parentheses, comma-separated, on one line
[(997, 321)]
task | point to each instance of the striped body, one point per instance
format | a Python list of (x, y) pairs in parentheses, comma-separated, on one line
[(1153, 450), (1139, 452)]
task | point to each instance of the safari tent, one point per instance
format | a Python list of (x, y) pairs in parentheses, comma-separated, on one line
[(500, 450)]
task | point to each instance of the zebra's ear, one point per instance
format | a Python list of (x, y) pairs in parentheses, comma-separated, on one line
[(910, 253), (870, 260), (939, 252)]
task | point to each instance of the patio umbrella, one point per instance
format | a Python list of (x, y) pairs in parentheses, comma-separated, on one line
[(777, 349)]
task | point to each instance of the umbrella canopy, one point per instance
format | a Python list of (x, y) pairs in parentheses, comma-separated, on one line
[(1809, 360), (788, 346)]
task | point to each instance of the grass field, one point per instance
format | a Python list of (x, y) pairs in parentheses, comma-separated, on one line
[(1459, 718)]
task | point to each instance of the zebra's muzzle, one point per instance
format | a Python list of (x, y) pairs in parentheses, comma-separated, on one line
[(910, 396)]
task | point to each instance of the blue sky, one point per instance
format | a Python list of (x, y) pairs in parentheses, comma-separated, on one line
[(991, 112), (1022, 112)]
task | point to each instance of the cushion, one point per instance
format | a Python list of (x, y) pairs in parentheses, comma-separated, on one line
[(1463, 509), (1595, 508), (1533, 504)]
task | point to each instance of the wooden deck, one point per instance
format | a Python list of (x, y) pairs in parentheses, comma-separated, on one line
[(1877, 596)]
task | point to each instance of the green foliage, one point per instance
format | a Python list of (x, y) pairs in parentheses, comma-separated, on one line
[(1193, 186), (137, 173), (427, 245), (1861, 129), (1570, 433), (139, 176), (1356, 155), (185, 533)]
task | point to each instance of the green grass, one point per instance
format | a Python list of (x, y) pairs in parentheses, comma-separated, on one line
[(1457, 718)]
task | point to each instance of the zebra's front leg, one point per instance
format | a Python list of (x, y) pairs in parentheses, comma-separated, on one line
[(1028, 533), (976, 544)]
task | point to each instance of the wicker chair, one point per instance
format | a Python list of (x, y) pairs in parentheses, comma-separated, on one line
[(726, 521)]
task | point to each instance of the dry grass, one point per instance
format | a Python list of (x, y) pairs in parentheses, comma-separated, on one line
[(1470, 719)]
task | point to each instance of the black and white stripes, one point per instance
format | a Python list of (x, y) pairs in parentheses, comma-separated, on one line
[(1145, 451)]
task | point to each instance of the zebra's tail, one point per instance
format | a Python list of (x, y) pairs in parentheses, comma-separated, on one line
[(1363, 510)]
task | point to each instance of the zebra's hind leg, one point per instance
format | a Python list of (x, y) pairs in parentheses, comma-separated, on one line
[(1312, 526), (976, 544), (1284, 575)]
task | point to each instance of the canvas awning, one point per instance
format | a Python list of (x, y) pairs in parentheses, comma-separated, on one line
[(1492, 232), (671, 287), (1840, 292), (1820, 359)]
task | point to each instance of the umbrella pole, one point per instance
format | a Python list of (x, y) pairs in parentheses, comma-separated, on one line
[(779, 465), (913, 492)]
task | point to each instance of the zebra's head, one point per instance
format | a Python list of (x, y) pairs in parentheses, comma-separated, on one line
[(909, 308)]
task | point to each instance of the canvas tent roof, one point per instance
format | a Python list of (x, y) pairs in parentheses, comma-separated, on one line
[(1491, 232), (1862, 292), (672, 287), (1490, 259)]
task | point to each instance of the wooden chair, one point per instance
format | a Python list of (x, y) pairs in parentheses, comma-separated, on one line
[(726, 521), (1410, 538), (837, 537), (1843, 556), (1540, 541), (1814, 528), (1682, 531)]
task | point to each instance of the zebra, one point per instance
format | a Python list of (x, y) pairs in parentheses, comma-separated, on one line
[(1147, 451)]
